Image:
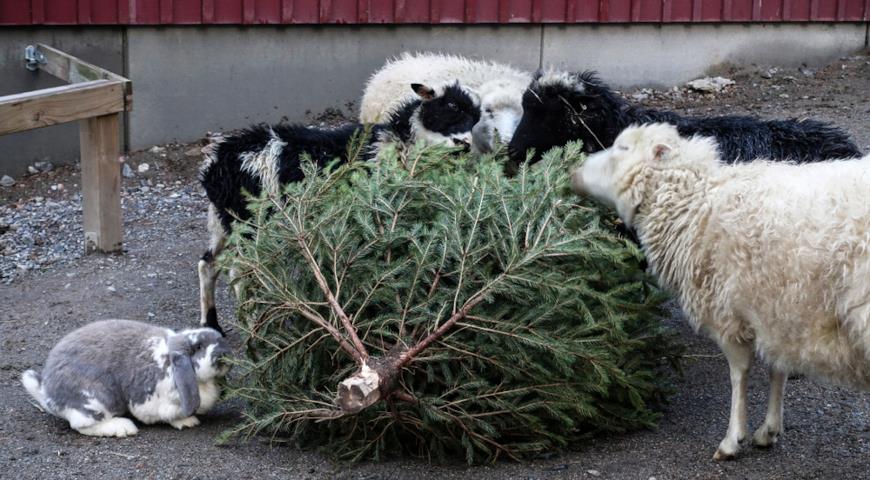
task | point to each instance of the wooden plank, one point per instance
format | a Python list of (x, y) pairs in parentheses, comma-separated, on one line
[(50, 106), (101, 183), (74, 70)]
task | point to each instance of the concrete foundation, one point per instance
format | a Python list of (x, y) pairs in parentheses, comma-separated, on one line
[(189, 80)]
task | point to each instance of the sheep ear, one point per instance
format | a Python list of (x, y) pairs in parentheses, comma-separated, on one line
[(661, 152), (425, 92), (183, 374)]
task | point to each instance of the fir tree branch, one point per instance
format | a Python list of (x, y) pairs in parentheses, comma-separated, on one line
[(361, 355)]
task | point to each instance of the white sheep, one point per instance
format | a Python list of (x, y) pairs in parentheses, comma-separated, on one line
[(766, 255), (499, 86)]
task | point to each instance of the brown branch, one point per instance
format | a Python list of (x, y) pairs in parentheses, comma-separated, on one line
[(361, 353), (412, 352)]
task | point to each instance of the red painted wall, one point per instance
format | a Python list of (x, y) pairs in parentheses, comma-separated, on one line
[(187, 12)]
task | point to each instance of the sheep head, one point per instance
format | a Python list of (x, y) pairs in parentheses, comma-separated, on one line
[(630, 172), (559, 107)]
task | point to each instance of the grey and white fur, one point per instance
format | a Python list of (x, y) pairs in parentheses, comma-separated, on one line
[(104, 370)]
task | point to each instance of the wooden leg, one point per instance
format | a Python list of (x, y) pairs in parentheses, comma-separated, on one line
[(101, 182)]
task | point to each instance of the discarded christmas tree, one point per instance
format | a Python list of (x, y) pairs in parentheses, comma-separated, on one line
[(428, 304)]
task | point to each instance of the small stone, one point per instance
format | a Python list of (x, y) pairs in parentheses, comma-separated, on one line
[(7, 181), (44, 166), (807, 72), (145, 189), (143, 167), (156, 149), (193, 152), (640, 96), (594, 473), (783, 95), (769, 73), (112, 288), (127, 172), (151, 315), (32, 170), (710, 84)]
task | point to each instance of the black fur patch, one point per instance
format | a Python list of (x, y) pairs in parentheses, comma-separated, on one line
[(450, 113), (211, 321), (224, 180), (555, 114)]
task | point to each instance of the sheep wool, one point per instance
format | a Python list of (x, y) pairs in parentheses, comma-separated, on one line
[(389, 87), (770, 254)]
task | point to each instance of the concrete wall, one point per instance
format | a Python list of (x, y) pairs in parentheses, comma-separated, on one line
[(59, 143), (228, 77), (189, 80), (665, 55)]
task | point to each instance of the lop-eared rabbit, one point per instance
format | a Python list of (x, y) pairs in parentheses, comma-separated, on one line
[(105, 369)]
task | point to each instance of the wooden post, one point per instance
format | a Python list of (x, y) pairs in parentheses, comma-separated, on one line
[(101, 182)]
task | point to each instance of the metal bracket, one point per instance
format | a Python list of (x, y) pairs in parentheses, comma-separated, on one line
[(33, 57)]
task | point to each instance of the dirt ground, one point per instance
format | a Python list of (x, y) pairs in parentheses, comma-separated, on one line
[(827, 429)]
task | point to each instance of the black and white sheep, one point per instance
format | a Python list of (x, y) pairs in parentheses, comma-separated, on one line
[(559, 107), (266, 157), (764, 256), (499, 86)]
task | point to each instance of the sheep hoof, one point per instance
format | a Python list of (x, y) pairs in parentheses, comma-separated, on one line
[(765, 437), (721, 456)]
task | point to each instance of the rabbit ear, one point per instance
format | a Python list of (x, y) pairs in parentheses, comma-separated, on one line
[(183, 374)]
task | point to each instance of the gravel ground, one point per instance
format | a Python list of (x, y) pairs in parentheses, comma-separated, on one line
[(48, 288)]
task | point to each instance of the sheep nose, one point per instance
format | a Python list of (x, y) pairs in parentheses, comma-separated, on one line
[(481, 138), (461, 142), (577, 182)]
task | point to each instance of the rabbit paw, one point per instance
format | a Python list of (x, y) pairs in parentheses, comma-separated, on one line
[(186, 422)]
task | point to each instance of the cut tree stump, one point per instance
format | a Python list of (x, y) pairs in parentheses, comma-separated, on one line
[(95, 98)]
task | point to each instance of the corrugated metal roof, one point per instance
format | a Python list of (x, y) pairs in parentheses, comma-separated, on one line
[(249, 12)]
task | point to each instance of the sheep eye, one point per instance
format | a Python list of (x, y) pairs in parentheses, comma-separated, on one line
[(452, 106)]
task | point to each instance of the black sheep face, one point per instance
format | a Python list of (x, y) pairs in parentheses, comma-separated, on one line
[(559, 107), (446, 115)]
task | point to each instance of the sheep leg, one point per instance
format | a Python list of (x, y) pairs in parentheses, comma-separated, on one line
[(208, 273), (768, 433), (739, 356)]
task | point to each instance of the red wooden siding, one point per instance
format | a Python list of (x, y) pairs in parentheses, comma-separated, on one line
[(193, 12)]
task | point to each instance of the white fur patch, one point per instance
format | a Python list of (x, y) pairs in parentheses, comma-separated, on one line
[(263, 164), (110, 427), (163, 405), (31, 383), (79, 418), (563, 79), (209, 393)]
